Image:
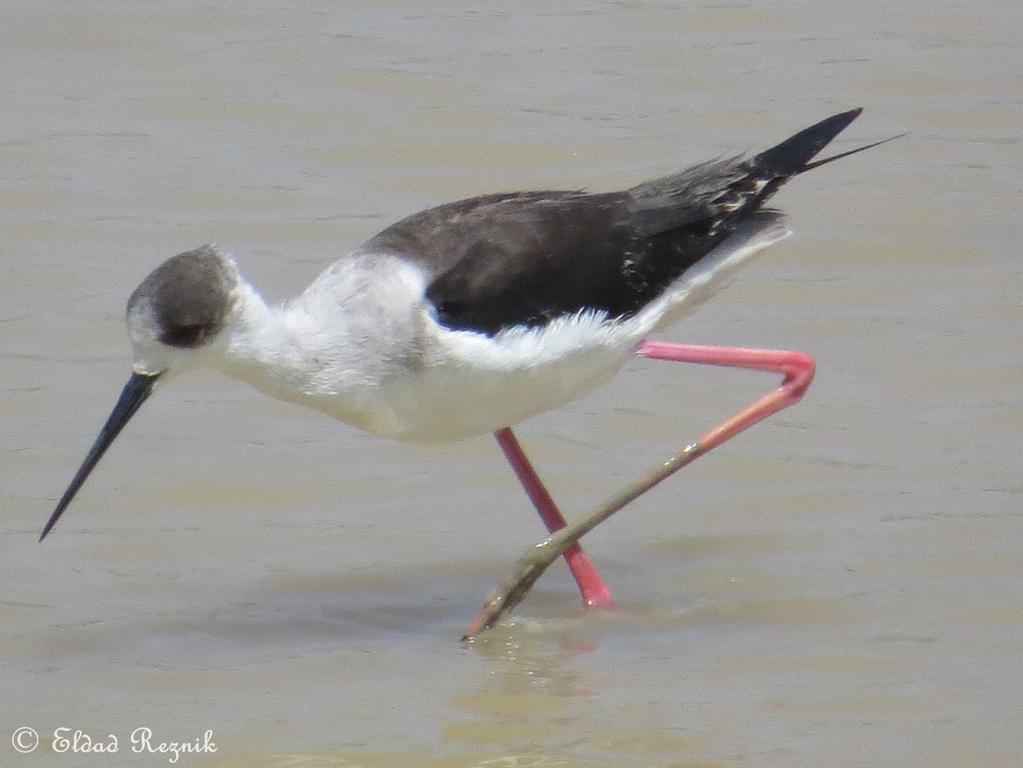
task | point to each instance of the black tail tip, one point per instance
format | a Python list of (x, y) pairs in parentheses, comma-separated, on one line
[(849, 116), (834, 125), (792, 155)]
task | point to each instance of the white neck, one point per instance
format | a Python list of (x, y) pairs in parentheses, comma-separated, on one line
[(261, 345), (318, 351)]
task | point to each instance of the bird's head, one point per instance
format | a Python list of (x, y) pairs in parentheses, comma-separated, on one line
[(175, 318), (177, 313)]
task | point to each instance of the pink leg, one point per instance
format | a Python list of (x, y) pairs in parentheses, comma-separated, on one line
[(797, 369), (594, 591)]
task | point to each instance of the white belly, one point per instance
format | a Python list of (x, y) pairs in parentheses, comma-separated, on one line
[(470, 384)]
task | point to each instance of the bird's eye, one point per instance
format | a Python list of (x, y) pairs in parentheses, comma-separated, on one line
[(183, 335)]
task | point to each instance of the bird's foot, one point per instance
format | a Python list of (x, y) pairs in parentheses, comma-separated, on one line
[(516, 585)]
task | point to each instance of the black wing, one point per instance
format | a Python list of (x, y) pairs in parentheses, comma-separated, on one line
[(526, 258)]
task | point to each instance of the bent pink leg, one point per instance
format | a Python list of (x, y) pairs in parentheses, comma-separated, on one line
[(594, 591), (797, 370)]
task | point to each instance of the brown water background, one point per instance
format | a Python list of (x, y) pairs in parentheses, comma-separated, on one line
[(839, 587)]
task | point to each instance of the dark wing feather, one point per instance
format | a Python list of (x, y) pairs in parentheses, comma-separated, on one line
[(527, 258), (523, 258)]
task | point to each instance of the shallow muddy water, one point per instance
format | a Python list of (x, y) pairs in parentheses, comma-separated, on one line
[(840, 586)]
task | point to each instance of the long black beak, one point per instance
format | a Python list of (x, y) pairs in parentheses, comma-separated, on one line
[(135, 392)]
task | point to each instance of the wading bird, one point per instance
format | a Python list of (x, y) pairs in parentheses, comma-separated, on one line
[(469, 317)]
